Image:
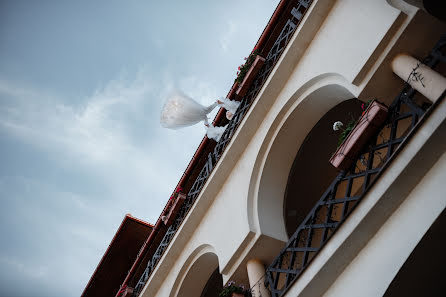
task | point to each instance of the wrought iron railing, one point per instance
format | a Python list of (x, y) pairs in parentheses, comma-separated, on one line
[(296, 15), (349, 187)]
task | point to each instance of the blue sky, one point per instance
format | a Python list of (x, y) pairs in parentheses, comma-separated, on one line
[(81, 88)]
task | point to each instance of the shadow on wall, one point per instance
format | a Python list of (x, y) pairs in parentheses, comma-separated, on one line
[(311, 172), (423, 272), (199, 275)]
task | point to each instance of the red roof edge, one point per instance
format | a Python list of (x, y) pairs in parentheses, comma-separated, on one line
[(126, 217)]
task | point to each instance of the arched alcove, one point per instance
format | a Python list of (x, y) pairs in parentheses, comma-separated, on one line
[(298, 117), (200, 275), (433, 7), (214, 285), (311, 172), (423, 272)]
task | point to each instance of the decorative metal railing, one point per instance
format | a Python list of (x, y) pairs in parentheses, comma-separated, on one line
[(349, 187), (296, 15)]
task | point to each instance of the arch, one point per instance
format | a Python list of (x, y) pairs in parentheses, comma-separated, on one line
[(281, 144), (422, 272), (195, 272)]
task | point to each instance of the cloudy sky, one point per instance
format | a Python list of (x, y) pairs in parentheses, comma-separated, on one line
[(81, 87)]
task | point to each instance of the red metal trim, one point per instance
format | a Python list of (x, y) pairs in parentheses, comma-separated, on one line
[(143, 249), (271, 23), (176, 204), (130, 217)]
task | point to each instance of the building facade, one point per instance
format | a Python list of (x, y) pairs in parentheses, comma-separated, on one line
[(264, 207)]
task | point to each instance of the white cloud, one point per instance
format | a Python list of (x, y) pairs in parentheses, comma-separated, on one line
[(94, 131), (34, 272), (228, 35), (113, 137)]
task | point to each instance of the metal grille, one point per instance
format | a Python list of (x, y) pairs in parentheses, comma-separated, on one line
[(349, 187), (296, 15)]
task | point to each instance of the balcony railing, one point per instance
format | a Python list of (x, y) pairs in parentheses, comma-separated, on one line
[(296, 15), (349, 187)]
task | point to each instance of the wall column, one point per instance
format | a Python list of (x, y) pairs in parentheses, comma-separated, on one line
[(422, 78), (256, 276)]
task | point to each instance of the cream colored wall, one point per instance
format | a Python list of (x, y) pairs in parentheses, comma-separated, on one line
[(225, 215)]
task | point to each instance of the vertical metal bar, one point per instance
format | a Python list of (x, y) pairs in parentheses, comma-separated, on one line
[(347, 195), (291, 276)]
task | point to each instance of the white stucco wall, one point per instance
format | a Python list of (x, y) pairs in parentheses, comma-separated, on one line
[(225, 215)]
